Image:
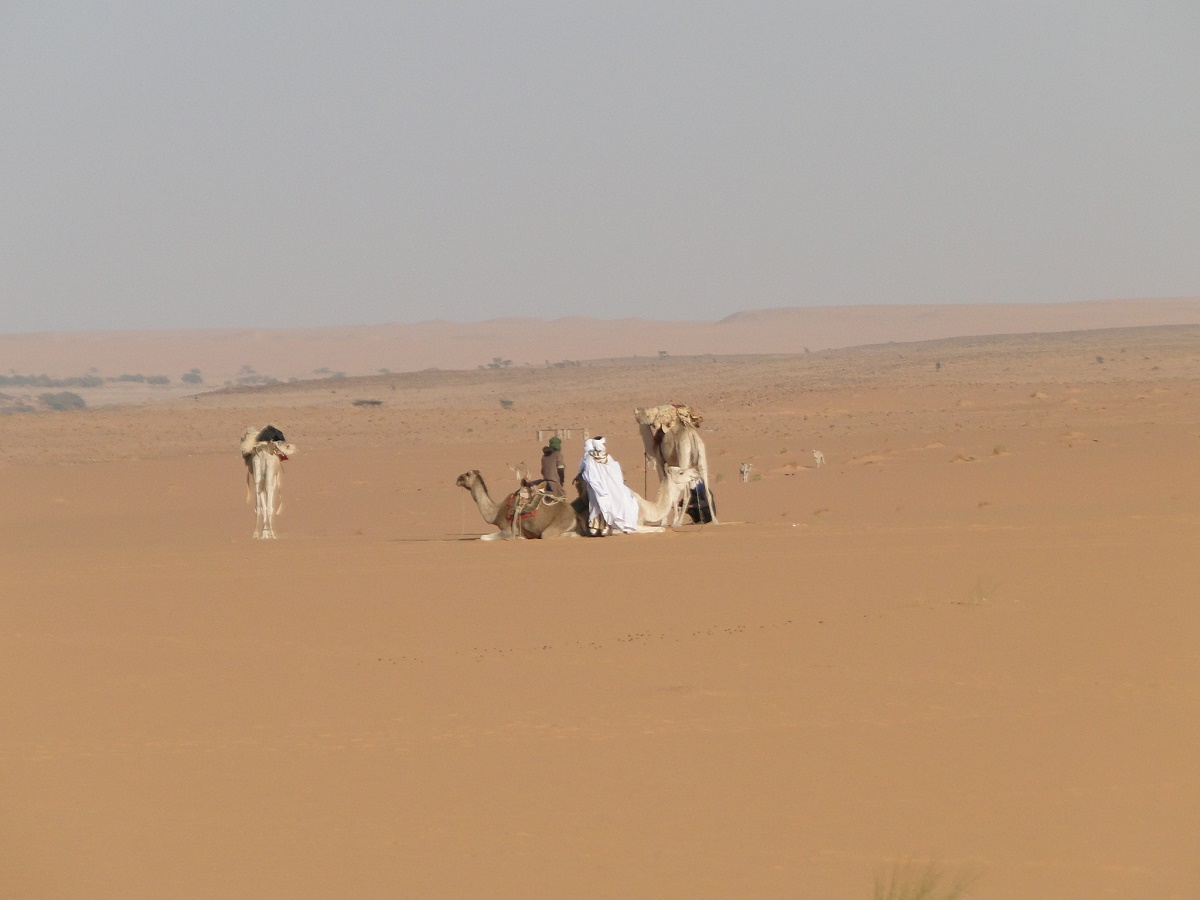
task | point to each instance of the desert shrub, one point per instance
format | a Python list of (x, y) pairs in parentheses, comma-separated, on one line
[(908, 881), (83, 381), (368, 403), (157, 379), (62, 401), (139, 379), (507, 404), (192, 377)]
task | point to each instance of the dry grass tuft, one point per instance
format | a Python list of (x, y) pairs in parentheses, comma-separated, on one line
[(913, 881)]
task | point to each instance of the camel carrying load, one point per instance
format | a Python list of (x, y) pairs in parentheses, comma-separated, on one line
[(671, 436), (527, 512), (263, 452)]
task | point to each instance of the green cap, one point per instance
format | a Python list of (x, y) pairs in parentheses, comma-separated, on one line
[(555, 443)]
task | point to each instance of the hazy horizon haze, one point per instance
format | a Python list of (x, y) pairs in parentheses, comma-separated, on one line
[(235, 165)]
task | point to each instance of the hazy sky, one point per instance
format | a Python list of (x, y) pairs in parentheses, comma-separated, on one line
[(238, 163)]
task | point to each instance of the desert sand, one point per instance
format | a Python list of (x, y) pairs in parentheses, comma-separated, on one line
[(969, 638)]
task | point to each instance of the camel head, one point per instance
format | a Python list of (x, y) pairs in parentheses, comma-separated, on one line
[(468, 480), (687, 478)]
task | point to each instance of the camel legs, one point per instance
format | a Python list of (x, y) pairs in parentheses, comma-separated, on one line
[(271, 497), (266, 489)]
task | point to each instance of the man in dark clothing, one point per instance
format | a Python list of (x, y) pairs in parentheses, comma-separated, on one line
[(553, 470)]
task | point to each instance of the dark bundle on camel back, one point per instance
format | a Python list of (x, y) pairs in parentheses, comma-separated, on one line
[(270, 434)]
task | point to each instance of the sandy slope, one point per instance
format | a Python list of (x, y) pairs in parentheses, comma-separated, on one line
[(970, 637)]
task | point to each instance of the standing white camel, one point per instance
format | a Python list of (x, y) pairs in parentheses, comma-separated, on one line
[(263, 451), (671, 436)]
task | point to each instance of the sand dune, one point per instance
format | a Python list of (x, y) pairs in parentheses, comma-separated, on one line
[(968, 638), (282, 353)]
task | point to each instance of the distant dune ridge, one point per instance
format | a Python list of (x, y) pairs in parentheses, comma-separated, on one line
[(222, 354)]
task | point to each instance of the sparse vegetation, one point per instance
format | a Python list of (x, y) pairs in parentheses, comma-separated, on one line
[(908, 881), (45, 381), (62, 401), (368, 403), (192, 377), (499, 363), (507, 404), (142, 379)]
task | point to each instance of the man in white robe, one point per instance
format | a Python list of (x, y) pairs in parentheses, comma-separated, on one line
[(609, 498)]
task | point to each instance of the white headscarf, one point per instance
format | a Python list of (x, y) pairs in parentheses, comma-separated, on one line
[(608, 496)]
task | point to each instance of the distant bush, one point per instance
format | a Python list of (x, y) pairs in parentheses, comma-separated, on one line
[(368, 403), (192, 377), (62, 401), (139, 378)]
